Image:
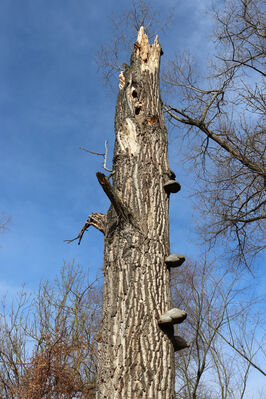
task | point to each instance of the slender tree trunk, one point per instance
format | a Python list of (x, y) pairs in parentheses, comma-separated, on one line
[(135, 357)]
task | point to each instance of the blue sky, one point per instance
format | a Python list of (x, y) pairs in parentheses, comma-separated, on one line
[(52, 101)]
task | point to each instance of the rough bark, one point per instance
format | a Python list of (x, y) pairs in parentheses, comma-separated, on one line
[(135, 357)]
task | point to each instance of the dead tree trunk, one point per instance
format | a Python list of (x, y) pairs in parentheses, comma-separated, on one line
[(135, 354)]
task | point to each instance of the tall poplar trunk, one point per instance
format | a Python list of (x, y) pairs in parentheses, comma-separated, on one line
[(135, 357)]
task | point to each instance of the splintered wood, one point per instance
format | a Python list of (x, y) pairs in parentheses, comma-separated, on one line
[(149, 53)]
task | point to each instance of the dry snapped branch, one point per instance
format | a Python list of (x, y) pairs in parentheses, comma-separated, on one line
[(96, 220), (122, 212)]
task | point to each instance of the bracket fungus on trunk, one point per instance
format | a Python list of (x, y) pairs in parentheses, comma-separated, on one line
[(173, 316), (179, 343), (172, 186), (175, 260), (166, 323)]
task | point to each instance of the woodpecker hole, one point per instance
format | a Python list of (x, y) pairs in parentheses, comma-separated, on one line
[(137, 110), (134, 94)]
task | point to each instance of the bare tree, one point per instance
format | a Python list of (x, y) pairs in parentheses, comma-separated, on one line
[(223, 339), (223, 114), (13, 352), (50, 374), (136, 341), (47, 345)]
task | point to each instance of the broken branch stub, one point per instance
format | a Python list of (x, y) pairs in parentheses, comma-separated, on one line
[(118, 205), (96, 220)]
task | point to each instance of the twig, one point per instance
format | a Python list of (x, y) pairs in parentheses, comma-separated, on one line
[(101, 154), (96, 220), (91, 152)]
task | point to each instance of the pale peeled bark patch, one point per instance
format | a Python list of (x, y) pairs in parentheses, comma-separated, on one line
[(127, 138), (121, 80)]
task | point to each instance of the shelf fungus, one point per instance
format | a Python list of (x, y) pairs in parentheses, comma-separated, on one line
[(173, 316), (179, 343), (175, 260), (172, 186)]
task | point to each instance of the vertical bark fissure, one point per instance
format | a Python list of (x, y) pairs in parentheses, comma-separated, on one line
[(135, 358)]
